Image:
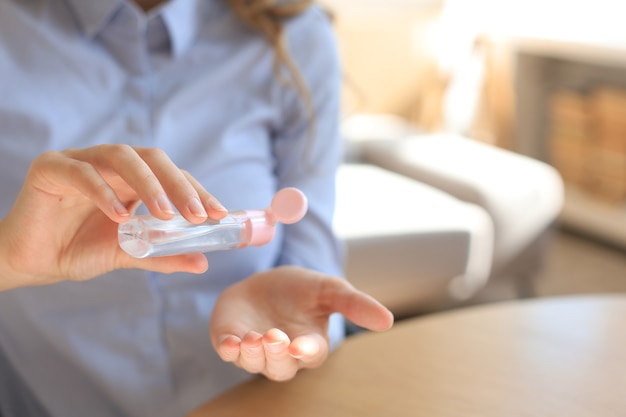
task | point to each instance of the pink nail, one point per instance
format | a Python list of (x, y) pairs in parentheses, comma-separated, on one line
[(120, 209), (196, 208), (164, 204)]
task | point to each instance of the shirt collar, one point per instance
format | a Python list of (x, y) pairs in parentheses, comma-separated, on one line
[(182, 18)]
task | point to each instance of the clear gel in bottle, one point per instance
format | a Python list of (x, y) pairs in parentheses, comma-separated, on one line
[(145, 236)]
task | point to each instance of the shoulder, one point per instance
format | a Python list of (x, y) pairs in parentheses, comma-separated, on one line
[(313, 25), (312, 43)]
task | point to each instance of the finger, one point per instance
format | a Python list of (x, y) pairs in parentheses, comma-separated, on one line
[(338, 295), (279, 364), (59, 170), (252, 353), (155, 178), (125, 162), (181, 191), (214, 208), (228, 348), (311, 350)]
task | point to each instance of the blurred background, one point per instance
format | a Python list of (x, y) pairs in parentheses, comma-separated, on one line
[(541, 78)]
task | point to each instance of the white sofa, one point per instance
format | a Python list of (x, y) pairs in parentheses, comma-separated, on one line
[(408, 244), (500, 201)]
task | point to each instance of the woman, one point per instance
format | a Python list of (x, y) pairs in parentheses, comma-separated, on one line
[(102, 104)]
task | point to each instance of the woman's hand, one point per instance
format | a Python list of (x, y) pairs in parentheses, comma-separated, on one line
[(275, 322), (64, 222)]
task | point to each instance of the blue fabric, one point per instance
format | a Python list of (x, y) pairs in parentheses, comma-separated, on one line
[(191, 79)]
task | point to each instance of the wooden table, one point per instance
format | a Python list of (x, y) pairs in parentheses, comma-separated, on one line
[(563, 356)]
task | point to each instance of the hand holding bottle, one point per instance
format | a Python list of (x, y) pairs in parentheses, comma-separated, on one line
[(63, 224)]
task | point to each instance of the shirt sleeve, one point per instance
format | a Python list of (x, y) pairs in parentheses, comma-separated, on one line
[(308, 152)]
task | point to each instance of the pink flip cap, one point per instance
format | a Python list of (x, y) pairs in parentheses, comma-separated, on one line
[(289, 205)]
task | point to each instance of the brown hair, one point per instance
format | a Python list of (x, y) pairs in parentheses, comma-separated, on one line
[(268, 17)]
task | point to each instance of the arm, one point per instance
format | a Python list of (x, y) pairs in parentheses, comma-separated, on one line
[(308, 153)]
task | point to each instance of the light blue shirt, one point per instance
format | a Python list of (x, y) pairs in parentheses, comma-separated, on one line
[(192, 80)]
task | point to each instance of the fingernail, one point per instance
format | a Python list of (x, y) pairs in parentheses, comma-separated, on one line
[(254, 349), (276, 347), (226, 337), (216, 205), (120, 209), (196, 208), (164, 204)]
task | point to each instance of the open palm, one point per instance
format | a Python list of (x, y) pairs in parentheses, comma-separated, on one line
[(275, 322)]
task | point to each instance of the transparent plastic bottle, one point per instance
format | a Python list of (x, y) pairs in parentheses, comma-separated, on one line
[(144, 236)]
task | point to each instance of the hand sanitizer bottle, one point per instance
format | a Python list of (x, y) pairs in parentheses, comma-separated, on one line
[(144, 236)]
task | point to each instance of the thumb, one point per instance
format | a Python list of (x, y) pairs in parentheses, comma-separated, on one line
[(362, 309)]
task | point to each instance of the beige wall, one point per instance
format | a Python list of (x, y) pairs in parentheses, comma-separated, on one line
[(387, 56), (389, 50)]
